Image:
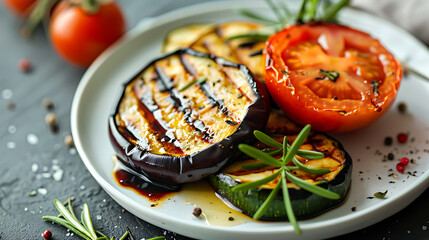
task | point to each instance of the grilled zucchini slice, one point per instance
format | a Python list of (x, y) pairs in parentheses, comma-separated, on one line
[(181, 118), (214, 39), (305, 204)]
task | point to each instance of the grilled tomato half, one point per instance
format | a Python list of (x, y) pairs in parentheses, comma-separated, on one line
[(330, 76), (181, 118)]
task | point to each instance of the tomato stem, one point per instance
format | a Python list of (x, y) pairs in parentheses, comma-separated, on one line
[(36, 16), (90, 6)]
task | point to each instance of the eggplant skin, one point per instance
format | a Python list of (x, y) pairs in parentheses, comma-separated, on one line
[(166, 169), (304, 204)]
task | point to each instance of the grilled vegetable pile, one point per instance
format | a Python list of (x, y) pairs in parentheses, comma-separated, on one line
[(215, 39), (304, 204), (181, 118)]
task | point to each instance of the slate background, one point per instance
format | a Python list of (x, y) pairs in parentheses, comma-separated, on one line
[(20, 214)]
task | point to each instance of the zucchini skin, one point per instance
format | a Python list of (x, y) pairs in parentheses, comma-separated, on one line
[(164, 169), (304, 204)]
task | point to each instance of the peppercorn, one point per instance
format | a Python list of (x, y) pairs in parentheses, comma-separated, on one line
[(390, 156), (400, 167), (51, 121), (388, 141), (402, 108), (47, 235), (48, 104), (402, 137), (197, 212), (24, 65), (405, 161)]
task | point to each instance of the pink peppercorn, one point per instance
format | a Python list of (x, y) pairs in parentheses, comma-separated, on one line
[(405, 161), (400, 167), (47, 235), (402, 137), (24, 65)]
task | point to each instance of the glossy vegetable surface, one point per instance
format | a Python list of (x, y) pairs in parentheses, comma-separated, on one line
[(330, 76), (304, 204), (80, 37), (215, 39), (182, 117)]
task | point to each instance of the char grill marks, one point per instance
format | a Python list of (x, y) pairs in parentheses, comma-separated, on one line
[(156, 112), (238, 50)]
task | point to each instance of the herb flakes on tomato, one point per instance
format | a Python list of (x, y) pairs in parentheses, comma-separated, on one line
[(331, 76)]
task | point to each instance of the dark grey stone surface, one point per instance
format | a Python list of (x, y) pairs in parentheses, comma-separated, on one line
[(20, 214)]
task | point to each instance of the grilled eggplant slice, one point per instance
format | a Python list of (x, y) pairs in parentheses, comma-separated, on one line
[(181, 118), (214, 39), (304, 204)]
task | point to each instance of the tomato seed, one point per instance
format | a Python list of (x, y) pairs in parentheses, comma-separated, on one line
[(402, 137), (47, 235), (405, 161), (400, 167)]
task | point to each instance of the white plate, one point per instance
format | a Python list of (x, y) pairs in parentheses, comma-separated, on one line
[(99, 87)]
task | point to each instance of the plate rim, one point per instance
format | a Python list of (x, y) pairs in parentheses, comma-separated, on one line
[(420, 184)]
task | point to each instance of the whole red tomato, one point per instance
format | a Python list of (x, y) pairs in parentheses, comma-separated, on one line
[(79, 36), (19, 7), (330, 76)]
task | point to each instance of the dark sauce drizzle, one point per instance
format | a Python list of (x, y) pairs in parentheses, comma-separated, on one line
[(128, 178)]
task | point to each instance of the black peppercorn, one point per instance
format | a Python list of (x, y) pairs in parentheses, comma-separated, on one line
[(402, 108), (388, 141), (390, 156)]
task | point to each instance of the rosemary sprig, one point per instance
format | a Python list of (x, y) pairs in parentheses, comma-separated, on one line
[(83, 228), (289, 153), (310, 10)]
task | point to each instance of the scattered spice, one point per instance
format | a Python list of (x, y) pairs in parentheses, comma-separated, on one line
[(380, 194), (11, 106), (393, 175), (230, 122), (402, 107), (388, 141), (47, 235), (24, 65), (32, 193), (48, 104), (231, 219), (51, 121), (353, 209), (400, 167), (390, 156), (405, 161), (402, 137), (68, 140), (330, 75), (197, 212)]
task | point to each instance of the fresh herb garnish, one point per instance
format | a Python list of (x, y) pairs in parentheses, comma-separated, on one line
[(380, 194), (83, 227), (375, 86), (310, 10), (289, 153), (331, 75), (196, 81)]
